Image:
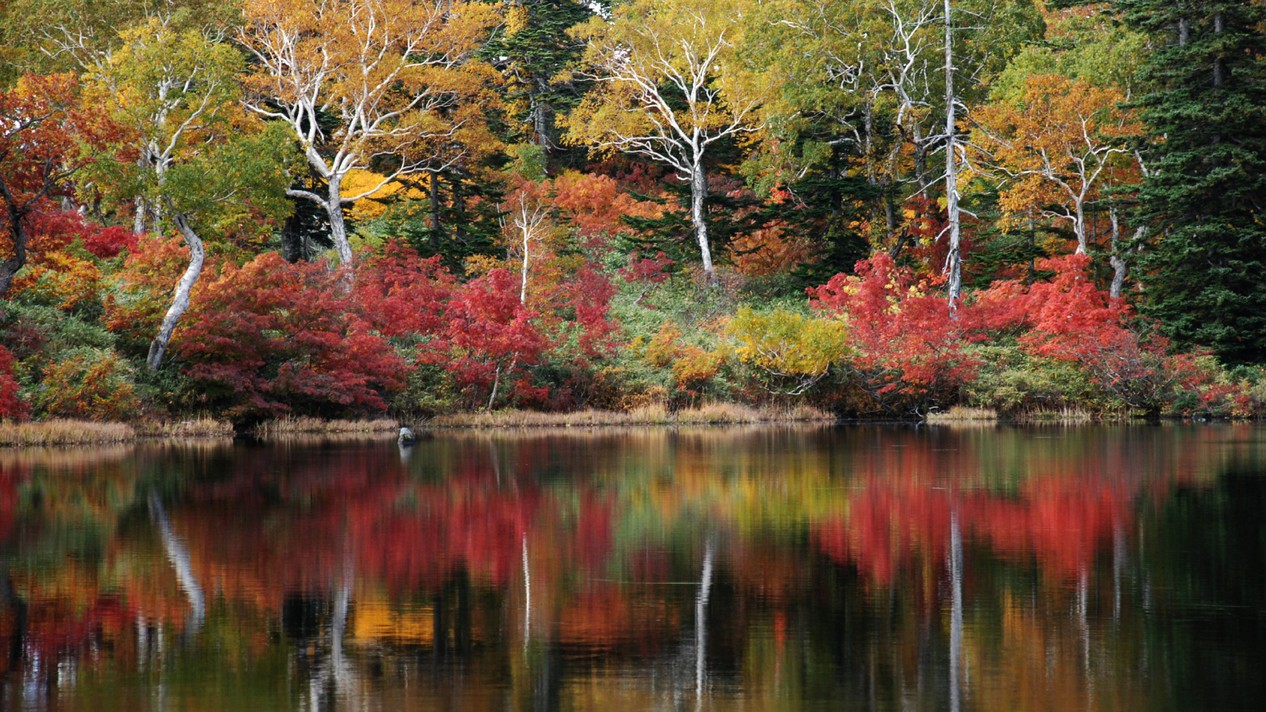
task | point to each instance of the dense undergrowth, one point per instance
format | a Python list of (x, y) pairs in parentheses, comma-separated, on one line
[(593, 330)]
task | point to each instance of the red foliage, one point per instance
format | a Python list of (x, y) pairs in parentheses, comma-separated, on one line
[(135, 309), (589, 297), (595, 204), (272, 337), (399, 293), (489, 334), (909, 350), (12, 407), (651, 270), (1068, 318)]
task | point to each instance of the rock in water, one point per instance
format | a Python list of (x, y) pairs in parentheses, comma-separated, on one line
[(406, 437)]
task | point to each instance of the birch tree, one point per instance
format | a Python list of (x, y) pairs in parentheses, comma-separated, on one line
[(173, 89), (362, 84), (669, 89), (1058, 143), (234, 187), (200, 167)]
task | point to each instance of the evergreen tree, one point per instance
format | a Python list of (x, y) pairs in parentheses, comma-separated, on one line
[(1205, 193)]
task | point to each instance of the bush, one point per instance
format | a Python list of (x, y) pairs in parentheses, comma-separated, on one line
[(89, 384)]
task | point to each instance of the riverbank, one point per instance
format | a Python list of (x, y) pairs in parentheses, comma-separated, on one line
[(76, 432), (81, 432)]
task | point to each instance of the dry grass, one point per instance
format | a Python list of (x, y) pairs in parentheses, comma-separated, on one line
[(197, 428), (711, 414), (291, 427), (64, 432), (964, 415), (1066, 415)]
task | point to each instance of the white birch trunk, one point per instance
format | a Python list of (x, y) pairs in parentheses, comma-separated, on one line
[(698, 216), (338, 229), (1116, 258), (180, 300), (953, 261), (1079, 225)]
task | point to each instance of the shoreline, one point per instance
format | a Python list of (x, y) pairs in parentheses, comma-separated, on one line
[(62, 432)]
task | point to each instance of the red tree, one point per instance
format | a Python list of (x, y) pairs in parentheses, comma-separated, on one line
[(270, 337)]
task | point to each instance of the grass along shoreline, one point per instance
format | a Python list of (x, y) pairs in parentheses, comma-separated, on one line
[(85, 432), (81, 432), (60, 432), (710, 414)]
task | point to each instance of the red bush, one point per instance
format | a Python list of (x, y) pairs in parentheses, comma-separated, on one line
[(12, 407), (271, 337), (909, 351)]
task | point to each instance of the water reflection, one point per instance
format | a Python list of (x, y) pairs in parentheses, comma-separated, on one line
[(862, 567)]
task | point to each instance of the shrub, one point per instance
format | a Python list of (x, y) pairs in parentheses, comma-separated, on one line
[(89, 384)]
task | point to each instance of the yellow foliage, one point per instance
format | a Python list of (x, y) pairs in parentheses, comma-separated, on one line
[(375, 204), (784, 343)]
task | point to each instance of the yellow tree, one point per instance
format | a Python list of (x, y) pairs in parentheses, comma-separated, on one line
[(670, 86), (364, 84), (1058, 142)]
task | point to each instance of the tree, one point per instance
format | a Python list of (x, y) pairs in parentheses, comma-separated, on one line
[(363, 84), (270, 338), (1205, 192), (202, 164), (793, 351), (46, 136), (1059, 143), (669, 90), (236, 187), (531, 49)]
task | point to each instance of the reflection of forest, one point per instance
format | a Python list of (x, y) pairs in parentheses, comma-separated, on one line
[(760, 568)]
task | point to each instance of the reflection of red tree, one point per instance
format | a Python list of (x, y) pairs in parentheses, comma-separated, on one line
[(421, 544), (1061, 522), (887, 526), (10, 478), (1058, 521)]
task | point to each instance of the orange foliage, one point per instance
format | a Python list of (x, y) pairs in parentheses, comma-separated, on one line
[(595, 204)]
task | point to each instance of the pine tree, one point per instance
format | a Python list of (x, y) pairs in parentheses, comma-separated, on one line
[(1205, 193)]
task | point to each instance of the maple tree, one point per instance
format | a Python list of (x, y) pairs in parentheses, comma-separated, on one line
[(47, 136), (908, 354), (12, 407), (489, 335), (291, 344)]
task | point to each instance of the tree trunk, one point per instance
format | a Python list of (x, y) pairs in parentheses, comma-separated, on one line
[(698, 216), (953, 261), (527, 237), (1079, 227), (9, 268), (17, 231), (338, 229), (1219, 63), (138, 222), (1117, 258), (180, 301)]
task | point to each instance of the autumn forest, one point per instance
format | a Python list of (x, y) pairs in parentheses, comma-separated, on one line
[(255, 209)]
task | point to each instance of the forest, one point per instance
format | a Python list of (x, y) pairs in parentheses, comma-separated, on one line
[(255, 209)]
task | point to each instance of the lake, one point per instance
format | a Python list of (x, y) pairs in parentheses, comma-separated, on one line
[(847, 567)]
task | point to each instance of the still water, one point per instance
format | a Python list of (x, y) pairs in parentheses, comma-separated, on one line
[(1063, 568)]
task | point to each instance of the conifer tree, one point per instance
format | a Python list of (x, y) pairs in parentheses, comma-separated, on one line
[(1206, 187)]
